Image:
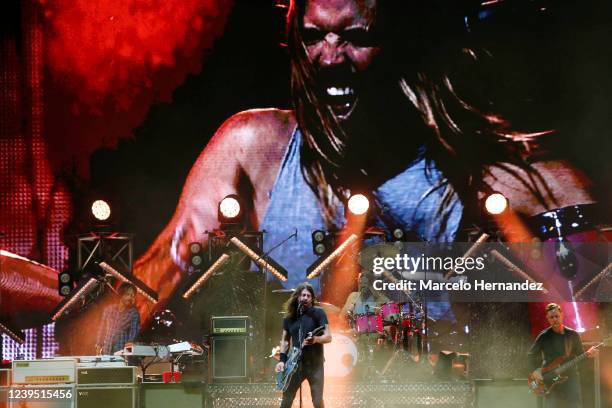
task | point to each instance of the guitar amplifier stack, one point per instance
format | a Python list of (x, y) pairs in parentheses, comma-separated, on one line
[(104, 387), (230, 349)]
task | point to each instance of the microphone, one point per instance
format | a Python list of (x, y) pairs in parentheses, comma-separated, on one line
[(300, 307)]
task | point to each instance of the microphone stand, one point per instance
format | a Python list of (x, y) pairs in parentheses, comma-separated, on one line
[(300, 334)]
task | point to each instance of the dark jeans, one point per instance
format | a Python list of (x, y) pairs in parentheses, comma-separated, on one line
[(566, 395), (314, 374)]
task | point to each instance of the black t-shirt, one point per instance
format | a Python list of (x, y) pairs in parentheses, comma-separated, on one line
[(550, 345), (311, 319)]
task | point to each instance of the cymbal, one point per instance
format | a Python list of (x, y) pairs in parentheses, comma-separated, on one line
[(367, 254), (29, 290), (283, 291)]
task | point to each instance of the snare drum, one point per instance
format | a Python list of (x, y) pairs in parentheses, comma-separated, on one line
[(368, 323), (390, 311)]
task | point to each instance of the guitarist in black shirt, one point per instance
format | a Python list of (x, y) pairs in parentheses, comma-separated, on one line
[(303, 317), (552, 343)]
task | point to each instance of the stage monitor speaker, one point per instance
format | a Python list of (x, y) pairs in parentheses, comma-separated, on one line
[(229, 359), (105, 397), (504, 394)]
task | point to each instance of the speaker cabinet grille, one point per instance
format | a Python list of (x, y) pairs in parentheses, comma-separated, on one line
[(106, 397), (229, 358)]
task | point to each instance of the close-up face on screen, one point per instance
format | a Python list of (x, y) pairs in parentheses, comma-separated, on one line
[(280, 203)]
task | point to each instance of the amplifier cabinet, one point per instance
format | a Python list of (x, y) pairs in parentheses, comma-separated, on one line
[(42, 396), (5, 377), (107, 397), (106, 376), (49, 371), (229, 325)]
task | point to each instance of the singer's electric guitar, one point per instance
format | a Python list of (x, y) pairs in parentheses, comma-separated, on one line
[(552, 374), (293, 360)]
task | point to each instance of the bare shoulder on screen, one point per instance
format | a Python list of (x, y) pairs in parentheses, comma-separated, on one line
[(257, 133)]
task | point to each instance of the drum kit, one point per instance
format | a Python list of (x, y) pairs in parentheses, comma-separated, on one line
[(391, 332)]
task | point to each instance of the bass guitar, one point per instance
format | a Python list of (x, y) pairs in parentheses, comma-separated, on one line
[(293, 360), (552, 374)]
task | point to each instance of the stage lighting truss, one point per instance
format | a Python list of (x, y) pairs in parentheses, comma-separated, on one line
[(323, 262), (114, 246), (70, 301), (202, 279), (264, 261), (16, 335), (141, 288)]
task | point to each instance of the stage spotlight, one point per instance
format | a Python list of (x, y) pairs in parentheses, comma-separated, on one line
[(64, 283), (230, 210), (101, 210), (202, 279), (496, 203), (323, 262), (319, 246), (358, 204), (262, 260), (16, 335)]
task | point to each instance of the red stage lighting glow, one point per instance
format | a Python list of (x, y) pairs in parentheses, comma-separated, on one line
[(119, 50)]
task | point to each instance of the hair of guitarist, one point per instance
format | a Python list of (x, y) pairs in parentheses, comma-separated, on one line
[(290, 307), (553, 306)]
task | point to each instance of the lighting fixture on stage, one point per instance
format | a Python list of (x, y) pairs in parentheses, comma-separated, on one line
[(141, 288), (65, 283), (14, 334), (196, 256), (101, 210), (323, 262), (262, 260), (496, 203), (358, 204), (319, 246), (202, 279), (398, 234), (66, 304), (230, 210)]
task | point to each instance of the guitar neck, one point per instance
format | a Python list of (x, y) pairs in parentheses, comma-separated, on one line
[(573, 362)]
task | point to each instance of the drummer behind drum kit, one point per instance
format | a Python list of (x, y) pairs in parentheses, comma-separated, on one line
[(392, 332)]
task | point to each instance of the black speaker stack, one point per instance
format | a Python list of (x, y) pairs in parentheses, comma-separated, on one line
[(230, 358)]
